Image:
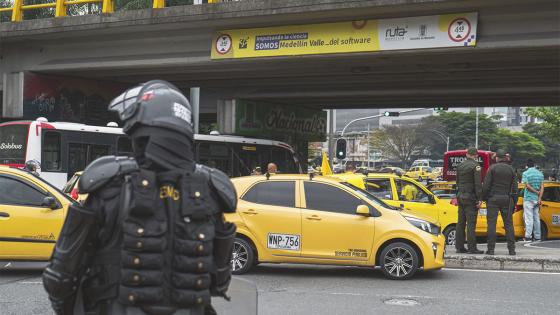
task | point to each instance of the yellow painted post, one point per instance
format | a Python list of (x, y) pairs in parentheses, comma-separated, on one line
[(60, 8), (17, 14), (158, 4), (108, 6)]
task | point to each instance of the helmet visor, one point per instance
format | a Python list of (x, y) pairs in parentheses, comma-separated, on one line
[(126, 103)]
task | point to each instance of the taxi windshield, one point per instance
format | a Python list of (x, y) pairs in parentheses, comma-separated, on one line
[(369, 196)]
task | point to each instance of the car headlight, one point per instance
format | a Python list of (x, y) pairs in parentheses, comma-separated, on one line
[(424, 225)]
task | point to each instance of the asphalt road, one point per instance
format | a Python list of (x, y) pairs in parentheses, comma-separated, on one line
[(288, 289)]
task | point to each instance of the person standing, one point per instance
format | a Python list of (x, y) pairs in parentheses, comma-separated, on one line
[(499, 187), (469, 194), (151, 237), (533, 180)]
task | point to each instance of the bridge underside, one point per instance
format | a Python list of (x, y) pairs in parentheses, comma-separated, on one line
[(516, 61)]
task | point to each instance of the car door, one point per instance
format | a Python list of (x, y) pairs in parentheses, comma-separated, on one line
[(331, 229), (269, 210), (414, 198), (28, 228), (382, 189), (550, 210)]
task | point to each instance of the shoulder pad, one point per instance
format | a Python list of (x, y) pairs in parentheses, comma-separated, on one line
[(223, 187), (103, 169)]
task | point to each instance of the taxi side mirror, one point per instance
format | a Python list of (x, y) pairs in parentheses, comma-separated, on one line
[(50, 202), (432, 199), (363, 210)]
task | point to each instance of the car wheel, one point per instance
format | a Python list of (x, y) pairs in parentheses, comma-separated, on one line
[(450, 234), (399, 261), (242, 256), (544, 232)]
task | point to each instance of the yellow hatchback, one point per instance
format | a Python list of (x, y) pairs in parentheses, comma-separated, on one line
[(323, 220), (31, 215)]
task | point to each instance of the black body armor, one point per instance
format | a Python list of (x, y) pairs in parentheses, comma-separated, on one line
[(151, 236)]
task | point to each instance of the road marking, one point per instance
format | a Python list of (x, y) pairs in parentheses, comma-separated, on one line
[(506, 271)]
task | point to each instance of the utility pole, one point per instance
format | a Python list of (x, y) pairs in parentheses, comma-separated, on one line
[(332, 128), (476, 135)]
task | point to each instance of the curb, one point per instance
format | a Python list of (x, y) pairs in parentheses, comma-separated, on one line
[(502, 263)]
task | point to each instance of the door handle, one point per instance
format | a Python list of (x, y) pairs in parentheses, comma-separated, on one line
[(314, 217), (544, 205), (250, 211), (4, 214)]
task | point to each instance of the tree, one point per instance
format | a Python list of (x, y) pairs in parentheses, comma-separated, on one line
[(520, 145), (551, 146), (461, 129), (551, 120), (397, 142)]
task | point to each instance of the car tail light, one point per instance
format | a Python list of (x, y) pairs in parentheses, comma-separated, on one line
[(74, 194), (454, 202), (518, 208)]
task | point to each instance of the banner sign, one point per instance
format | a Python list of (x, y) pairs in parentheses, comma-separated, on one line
[(261, 120), (450, 30)]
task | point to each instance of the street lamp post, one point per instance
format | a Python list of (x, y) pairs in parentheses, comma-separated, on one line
[(377, 116), (444, 137)]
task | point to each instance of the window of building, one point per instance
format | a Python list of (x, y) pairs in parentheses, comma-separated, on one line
[(276, 193), (329, 198)]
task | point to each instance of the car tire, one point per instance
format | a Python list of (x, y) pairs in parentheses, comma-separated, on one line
[(398, 261), (450, 234), (544, 232), (242, 257)]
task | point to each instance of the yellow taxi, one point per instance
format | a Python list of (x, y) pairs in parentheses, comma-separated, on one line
[(71, 188), (31, 215), (306, 219), (422, 173), (406, 193), (550, 210)]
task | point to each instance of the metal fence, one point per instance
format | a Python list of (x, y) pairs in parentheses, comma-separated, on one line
[(17, 8)]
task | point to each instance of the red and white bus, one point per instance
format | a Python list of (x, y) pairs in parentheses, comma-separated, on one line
[(64, 148), (452, 159)]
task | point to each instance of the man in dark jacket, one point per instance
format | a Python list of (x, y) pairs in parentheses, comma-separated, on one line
[(151, 237), (499, 188), (469, 193)]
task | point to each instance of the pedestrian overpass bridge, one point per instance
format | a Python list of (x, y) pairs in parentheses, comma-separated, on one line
[(515, 61)]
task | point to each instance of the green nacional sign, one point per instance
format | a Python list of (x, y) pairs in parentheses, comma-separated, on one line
[(265, 120)]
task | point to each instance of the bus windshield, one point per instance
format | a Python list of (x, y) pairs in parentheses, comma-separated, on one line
[(13, 143)]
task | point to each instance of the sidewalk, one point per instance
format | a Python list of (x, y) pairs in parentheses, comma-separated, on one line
[(541, 256)]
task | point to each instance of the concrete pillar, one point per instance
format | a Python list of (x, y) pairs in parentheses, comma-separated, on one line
[(12, 96), (195, 105), (226, 116)]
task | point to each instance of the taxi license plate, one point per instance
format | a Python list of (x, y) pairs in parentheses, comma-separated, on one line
[(283, 241), (482, 212)]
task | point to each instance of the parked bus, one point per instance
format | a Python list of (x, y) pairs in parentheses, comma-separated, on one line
[(452, 159), (64, 148)]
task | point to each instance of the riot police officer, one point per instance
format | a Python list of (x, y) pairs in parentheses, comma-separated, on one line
[(499, 187), (469, 194), (151, 237)]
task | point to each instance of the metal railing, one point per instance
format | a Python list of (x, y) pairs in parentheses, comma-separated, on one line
[(61, 6)]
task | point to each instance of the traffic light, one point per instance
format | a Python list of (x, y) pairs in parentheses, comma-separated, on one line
[(440, 109), (341, 149), (391, 114)]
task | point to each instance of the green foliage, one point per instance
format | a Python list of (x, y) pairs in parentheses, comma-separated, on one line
[(520, 145), (461, 129), (551, 120), (552, 147)]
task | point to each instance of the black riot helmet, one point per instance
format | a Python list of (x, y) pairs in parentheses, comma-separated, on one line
[(154, 104)]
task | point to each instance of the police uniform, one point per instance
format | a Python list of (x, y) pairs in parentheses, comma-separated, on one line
[(469, 193), (150, 238), (499, 188)]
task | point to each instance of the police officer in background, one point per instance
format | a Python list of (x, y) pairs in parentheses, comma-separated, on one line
[(469, 194), (151, 237), (498, 191)]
